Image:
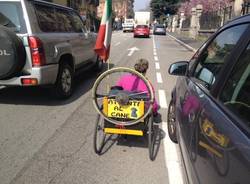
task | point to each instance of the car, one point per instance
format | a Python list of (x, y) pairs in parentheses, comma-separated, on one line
[(141, 31), (209, 111), (159, 29), (44, 44), (128, 25)]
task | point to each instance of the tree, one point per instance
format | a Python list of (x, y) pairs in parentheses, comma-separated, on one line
[(208, 5), (164, 7)]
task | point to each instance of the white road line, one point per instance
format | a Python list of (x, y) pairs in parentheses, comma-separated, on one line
[(158, 77), (162, 99), (117, 43), (155, 54), (156, 58), (182, 43), (154, 42), (157, 66), (173, 163)]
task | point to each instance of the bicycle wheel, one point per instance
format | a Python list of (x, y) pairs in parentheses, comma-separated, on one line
[(103, 89), (151, 137), (99, 135)]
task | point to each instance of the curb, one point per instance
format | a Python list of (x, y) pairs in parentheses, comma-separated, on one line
[(183, 44)]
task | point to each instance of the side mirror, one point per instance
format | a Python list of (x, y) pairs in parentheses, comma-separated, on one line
[(179, 68)]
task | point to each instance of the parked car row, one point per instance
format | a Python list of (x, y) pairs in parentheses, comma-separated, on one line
[(43, 44), (209, 113)]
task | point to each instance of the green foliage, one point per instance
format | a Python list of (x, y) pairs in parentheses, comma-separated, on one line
[(164, 7)]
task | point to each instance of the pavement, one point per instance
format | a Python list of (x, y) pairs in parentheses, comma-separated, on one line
[(193, 43), (47, 141)]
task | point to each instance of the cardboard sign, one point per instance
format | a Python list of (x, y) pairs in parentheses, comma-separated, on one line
[(134, 109)]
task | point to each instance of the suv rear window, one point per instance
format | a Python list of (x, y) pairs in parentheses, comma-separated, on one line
[(46, 18), (11, 16)]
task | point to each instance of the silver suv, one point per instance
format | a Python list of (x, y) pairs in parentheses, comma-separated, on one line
[(43, 44)]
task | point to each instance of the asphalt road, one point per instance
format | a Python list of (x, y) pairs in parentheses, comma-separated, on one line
[(47, 141)]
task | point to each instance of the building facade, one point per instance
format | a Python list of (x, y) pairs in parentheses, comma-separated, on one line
[(121, 8)]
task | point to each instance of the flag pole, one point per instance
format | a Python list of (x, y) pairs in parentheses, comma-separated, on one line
[(108, 86)]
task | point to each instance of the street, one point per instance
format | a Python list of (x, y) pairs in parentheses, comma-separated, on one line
[(43, 140)]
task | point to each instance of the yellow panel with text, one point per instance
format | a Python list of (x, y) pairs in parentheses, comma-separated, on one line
[(134, 109)]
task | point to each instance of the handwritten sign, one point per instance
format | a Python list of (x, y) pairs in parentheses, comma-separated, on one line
[(134, 109)]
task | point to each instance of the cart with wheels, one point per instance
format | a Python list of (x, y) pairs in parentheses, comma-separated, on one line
[(122, 112)]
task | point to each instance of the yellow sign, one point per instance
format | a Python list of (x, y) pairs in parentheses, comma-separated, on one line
[(210, 131), (134, 109)]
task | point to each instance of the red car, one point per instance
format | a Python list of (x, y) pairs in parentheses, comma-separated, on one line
[(141, 31)]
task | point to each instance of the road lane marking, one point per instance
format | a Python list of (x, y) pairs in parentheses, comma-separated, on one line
[(155, 54), (157, 66), (158, 77), (156, 58), (132, 50), (154, 42), (117, 43), (172, 160), (162, 99), (182, 43)]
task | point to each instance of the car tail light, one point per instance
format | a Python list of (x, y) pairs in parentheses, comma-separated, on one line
[(37, 51), (29, 81)]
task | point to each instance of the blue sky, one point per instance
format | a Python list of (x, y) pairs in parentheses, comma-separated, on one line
[(140, 4)]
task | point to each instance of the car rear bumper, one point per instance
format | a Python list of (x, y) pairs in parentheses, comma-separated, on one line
[(128, 29), (159, 33), (44, 75), (141, 34)]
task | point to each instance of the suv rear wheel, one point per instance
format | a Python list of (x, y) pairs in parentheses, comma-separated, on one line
[(64, 84)]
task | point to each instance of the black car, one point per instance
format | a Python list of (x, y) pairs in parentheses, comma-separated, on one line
[(159, 29), (209, 113)]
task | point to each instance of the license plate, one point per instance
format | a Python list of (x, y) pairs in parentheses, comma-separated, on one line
[(134, 109)]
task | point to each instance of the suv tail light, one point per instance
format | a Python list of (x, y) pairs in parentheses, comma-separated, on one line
[(37, 51)]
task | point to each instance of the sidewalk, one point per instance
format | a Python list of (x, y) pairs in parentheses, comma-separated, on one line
[(195, 44)]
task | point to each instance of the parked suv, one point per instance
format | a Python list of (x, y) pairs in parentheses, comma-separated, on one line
[(209, 113), (43, 44)]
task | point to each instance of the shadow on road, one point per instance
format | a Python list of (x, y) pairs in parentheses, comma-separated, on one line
[(135, 141), (43, 96)]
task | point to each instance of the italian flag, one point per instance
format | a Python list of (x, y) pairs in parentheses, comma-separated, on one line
[(102, 46)]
